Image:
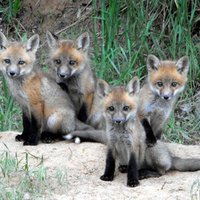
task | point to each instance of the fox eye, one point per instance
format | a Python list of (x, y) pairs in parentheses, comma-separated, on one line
[(111, 108), (72, 62), (7, 61), (126, 108), (21, 62), (159, 84), (58, 61), (174, 84)]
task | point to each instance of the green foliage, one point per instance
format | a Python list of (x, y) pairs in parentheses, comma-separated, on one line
[(9, 113), (123, 34), (10, 8)]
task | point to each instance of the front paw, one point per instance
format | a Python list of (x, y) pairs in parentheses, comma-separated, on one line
[(106, 178), (31, 142), (19, 138), (123, 168), (132, 183), (151, 141)]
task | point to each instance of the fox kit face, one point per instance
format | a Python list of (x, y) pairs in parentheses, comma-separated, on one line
[(119, 103), (68, 57), (17, 59), (167, 78)]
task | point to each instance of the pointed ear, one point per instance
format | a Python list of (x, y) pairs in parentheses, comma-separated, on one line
[(52, 40), (153, 63), (103, 89), (183, 64), (3, 41), (83, 41), (33, 43), (133, 86)]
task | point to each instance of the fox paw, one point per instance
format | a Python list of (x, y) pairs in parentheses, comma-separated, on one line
[(151, 141), (123, 168), (106, 178), (132, 183), (19, 138), (47, 140)]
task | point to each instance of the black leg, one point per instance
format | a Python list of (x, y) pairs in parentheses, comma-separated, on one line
[(132, 173), (82, 114), (26, 129), (150, 138), (110, 167), (35, 132), (145, 173)]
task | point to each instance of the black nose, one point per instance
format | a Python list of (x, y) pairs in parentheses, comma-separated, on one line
[(118, 121), (62, 75), (12, 73), (166, 97)]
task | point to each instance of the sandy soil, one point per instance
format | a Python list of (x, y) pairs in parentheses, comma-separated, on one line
[(85, 163)]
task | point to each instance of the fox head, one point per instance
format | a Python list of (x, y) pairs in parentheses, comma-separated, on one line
[(17, 59), (119, 103), (68, 57), (167, 78)]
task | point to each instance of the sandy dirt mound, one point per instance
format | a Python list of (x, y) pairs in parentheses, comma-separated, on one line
[(85, 163)]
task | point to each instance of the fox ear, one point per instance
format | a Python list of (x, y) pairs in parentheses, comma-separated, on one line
[(3, 41), (103, 89), (133, 86), (183, 64), (153, 63), (33, 43), (52, 40), (83, 41)]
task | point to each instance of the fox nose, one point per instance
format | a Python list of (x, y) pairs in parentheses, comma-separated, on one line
[(11, 73), (62, 75), (166, 97), (118, 121)]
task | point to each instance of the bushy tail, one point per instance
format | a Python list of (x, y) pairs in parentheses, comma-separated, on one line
[(88, 135), (181, 164)]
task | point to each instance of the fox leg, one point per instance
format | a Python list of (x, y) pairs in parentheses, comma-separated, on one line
[(110, 167), (132, 172), (150, 137), (35, 132), (26, 129), (157, 122)]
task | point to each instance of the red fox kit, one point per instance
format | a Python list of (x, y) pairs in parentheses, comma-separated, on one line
[(72, 66), (47, 109), (165, 81), (127, 138)]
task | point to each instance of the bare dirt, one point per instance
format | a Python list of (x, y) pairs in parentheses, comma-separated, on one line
[(85, 163)]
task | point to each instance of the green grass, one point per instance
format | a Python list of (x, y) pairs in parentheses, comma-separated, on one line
[(19, 180), (9, 9), (123, 34)]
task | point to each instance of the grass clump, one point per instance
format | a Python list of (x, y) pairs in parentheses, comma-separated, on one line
[(20, 180)]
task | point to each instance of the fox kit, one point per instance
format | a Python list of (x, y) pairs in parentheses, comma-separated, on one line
[(126, 138), (165, 81), (72, 66), (47, 109)]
